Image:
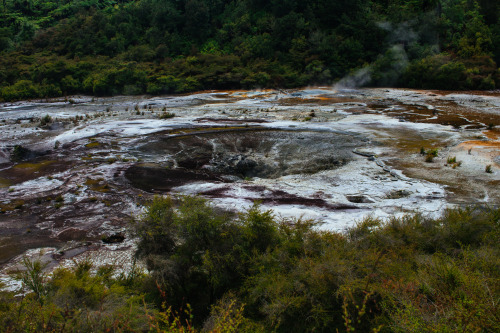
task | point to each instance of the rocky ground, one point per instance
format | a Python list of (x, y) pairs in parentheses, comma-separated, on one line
[(70, 183)]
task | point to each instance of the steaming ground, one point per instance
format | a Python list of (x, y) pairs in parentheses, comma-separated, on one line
[(336, 156)]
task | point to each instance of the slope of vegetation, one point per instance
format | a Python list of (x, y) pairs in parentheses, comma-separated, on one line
[(105, 47), (254, 273)]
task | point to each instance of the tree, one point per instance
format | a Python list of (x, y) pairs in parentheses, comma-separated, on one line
[(197, 19)]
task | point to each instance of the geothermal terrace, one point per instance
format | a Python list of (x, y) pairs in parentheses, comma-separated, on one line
[(70, 185)]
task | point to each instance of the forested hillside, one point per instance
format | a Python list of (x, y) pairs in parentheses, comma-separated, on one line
[(105, 47)]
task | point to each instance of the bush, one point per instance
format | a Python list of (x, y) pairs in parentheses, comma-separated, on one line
[(445, 72), (20, 153), (253, 273), (69, 85), (45, 120), (22, 89), (286, 273), (83, 299), (34, 278), (487, 83), (188, 84), (167, 115)]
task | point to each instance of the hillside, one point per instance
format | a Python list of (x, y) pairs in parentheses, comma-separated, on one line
[(104, 47)]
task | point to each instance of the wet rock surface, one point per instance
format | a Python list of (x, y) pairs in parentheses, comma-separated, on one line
[(72, 185), (256, 153), (154, 178)]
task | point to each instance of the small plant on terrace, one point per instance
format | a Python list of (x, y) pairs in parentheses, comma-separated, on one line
[(45, 120), (429, 157), (167, 115), (452, 161), (488, 169), (433, 152)]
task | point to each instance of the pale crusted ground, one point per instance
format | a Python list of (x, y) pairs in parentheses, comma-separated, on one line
[(89, 157)]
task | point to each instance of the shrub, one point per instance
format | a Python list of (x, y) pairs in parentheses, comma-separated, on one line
[(84, 298), (49, 90), (22, 89), (433, 152), (252, 272), (487, 83), (430, 155), (45, 120), (20, 153), (34, 278), (167, 115)]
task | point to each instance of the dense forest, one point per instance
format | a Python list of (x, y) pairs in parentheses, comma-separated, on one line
[(105, 47), (252, 272)]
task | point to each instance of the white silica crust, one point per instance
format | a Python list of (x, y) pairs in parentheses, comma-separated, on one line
[(374, 137)]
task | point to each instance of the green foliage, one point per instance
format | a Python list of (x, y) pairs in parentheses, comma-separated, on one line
[(167, 115), (81, 299), (452, 161), (430, 154), (34, 278), (436, 72), (188, 250), (20, 153), (388, 68), (163, 84), (47, 119), (131, 47), (294, 278), (433, 152), (22, 89), (253, 273)]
